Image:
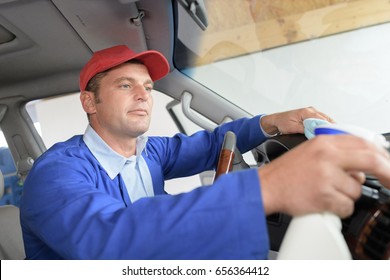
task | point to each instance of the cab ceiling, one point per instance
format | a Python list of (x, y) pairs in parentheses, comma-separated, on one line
[(44, 44)]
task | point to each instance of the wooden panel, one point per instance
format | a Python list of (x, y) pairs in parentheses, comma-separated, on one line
[(237, 27)]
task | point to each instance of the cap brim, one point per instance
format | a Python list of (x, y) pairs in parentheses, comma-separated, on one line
[(156, 63)]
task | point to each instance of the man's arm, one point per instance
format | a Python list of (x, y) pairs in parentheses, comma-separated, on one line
[(183, 155), (320, 175)]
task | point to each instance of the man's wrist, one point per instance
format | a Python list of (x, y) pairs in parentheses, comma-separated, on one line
[(268, 129)]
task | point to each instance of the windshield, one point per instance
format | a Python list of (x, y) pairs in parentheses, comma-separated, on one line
[(269, 56)]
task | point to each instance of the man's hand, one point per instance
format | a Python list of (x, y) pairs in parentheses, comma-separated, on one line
[(322, 174), (290, 121)]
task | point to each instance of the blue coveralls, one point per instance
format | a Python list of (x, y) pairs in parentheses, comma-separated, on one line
[(71, 209)]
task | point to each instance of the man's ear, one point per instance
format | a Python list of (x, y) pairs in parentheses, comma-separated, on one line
[(87, 99)]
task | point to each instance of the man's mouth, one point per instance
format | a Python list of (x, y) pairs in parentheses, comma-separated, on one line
[(139, 112)]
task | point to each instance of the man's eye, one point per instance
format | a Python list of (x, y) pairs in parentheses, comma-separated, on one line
[(149, 89), (125, 86)]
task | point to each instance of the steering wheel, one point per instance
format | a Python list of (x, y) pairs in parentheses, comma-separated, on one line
[(366, 231)]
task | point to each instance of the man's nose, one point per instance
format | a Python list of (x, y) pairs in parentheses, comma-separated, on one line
[(142, 93)]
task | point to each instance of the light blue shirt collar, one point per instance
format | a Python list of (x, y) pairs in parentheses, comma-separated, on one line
[(110, 160)]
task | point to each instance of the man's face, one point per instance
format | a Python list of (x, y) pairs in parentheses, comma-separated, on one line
[(125, 102)]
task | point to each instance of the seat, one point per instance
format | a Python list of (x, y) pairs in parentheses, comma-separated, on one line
[(11, 241)]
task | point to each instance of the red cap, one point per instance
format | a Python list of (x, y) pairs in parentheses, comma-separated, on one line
[(108, 58)]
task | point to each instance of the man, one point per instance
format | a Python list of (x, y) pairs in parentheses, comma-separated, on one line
[(101, 195)]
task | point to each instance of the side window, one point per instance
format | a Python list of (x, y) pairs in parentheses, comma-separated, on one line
[(11, 191), (59, 118), (162, 124)]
